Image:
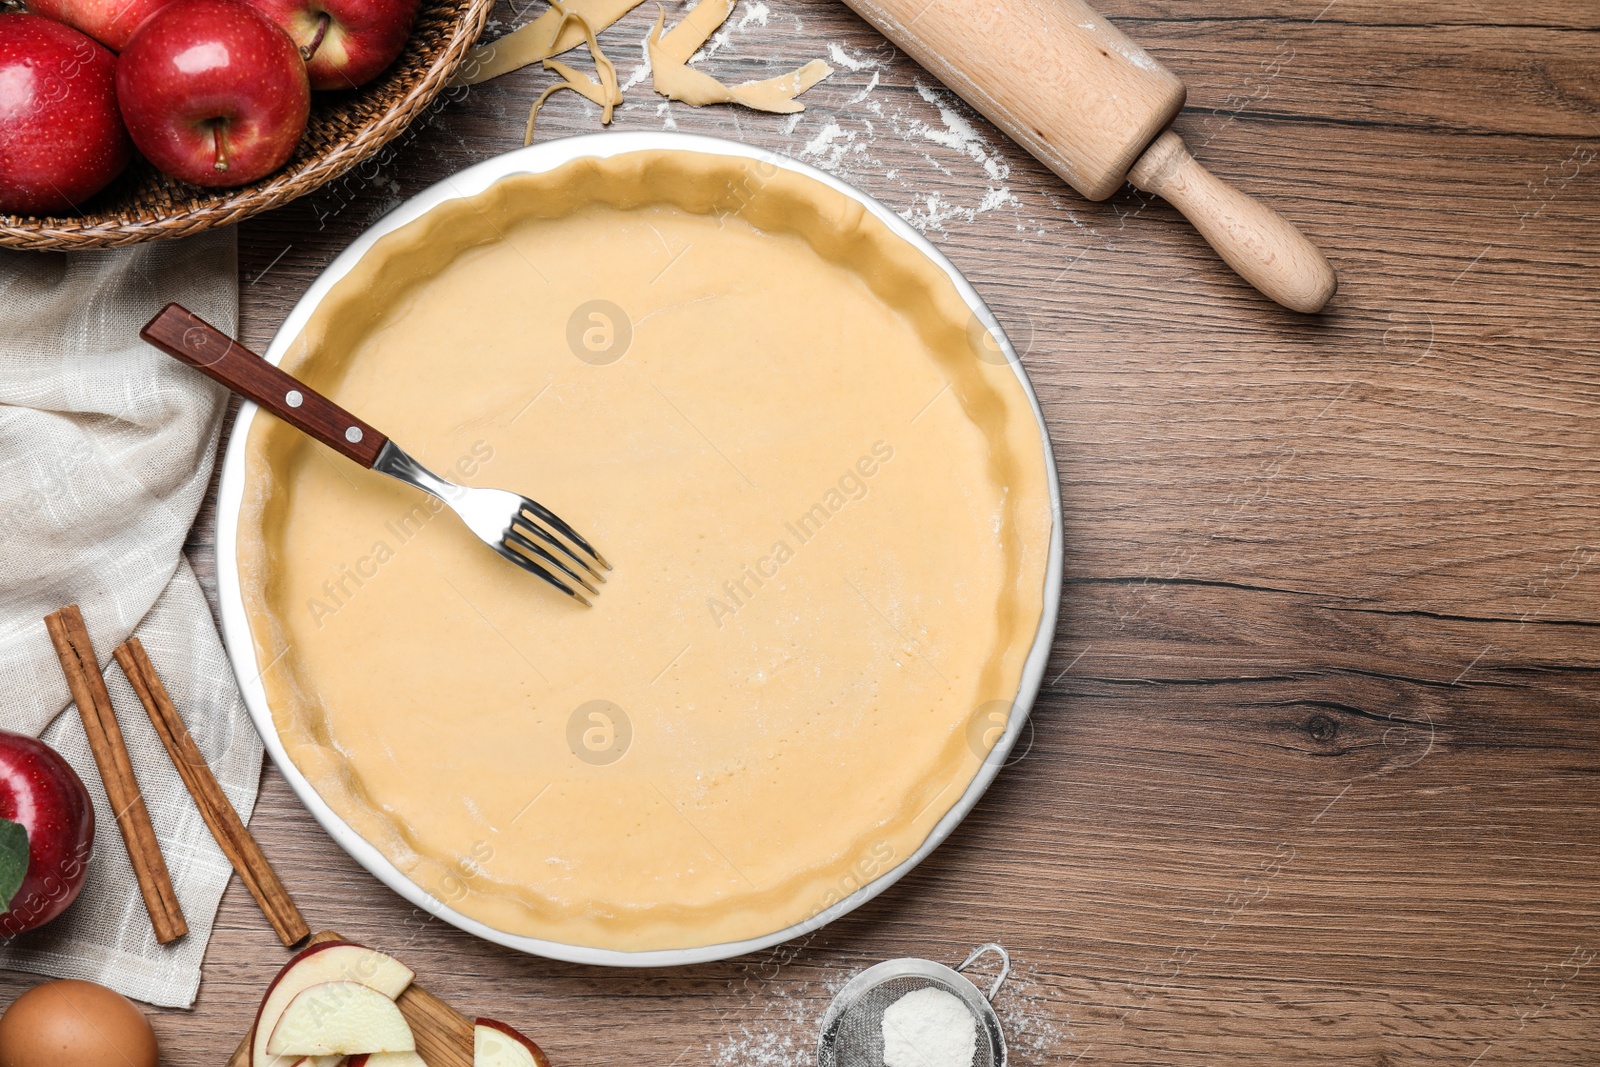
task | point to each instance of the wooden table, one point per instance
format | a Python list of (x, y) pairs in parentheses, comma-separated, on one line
[(1315, 776)]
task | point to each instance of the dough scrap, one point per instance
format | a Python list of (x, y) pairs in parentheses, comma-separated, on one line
[(552, 33), (674, 79), (605, 92), (578, 82)]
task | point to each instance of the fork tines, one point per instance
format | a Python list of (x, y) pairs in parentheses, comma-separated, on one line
[(533, 534)]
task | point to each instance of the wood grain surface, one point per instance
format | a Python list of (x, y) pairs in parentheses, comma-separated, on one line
[(1315, 777)]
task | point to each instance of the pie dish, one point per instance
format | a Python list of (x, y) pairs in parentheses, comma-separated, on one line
[(821, 476)]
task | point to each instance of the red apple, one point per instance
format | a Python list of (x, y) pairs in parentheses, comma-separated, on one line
[(345, 43), (213, 92), (111, 22), (61, 138), (46, 824)]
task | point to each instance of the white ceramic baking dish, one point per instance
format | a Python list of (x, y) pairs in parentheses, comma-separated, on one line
[(241, 648)]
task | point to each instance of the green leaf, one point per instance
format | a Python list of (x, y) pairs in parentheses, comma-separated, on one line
[(13, 860)]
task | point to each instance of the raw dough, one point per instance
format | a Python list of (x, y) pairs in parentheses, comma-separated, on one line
[(829, 521), (673, 78), (579, 82), (604, 92), (551, 34)]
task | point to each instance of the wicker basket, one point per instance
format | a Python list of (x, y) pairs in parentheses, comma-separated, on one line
[(345, 128)]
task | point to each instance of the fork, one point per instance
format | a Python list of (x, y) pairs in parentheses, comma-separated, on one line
[(523, 531)]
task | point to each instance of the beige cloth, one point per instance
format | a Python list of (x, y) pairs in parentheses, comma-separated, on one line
[(106, 448)]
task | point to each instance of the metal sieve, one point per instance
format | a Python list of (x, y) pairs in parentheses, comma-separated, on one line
[(852, 1030)]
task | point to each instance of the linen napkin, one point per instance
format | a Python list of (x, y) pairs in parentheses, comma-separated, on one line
[(106, 447)]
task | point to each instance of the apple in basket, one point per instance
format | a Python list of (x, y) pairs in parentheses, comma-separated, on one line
[(61, 138), (213, 92), (345, 43), (46, 833), (111, 22)]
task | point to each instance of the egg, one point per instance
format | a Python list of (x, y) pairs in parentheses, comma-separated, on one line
[(75, 1024)]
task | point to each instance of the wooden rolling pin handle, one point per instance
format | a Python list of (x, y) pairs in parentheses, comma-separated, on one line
[(1262, 245)]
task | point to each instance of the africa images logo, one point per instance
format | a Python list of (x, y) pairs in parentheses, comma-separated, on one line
[(851, 487)]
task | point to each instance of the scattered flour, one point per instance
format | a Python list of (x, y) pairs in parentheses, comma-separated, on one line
[(754, 11), (846, 143), (864, 93), (757, 13), (993, 198), (1037, 1025), (959, 135), (844, 59), (777, 1026), (713, 46), (640, 72), (829, 134), (831, 143)]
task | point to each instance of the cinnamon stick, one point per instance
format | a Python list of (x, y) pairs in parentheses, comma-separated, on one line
[(226, 826), (88, 686)]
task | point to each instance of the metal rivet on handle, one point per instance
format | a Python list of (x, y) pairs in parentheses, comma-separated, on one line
[(293, 398), (353, 435)]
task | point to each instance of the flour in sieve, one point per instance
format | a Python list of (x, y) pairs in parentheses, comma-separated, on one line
[(929, 1028)]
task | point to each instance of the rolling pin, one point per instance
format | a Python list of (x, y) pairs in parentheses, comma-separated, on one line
[(1094, 107)]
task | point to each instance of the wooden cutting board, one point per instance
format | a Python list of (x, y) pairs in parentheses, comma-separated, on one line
[(444, 1035)]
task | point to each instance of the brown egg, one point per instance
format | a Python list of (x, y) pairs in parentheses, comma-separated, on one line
[(75, 1024)]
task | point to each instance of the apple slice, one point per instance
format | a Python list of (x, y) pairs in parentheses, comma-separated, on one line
[(494, 1044), (318, 1061), (340, 1018), (329, 961), (387, 1059)]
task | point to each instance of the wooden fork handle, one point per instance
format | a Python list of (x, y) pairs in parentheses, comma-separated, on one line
[(185, 336)]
